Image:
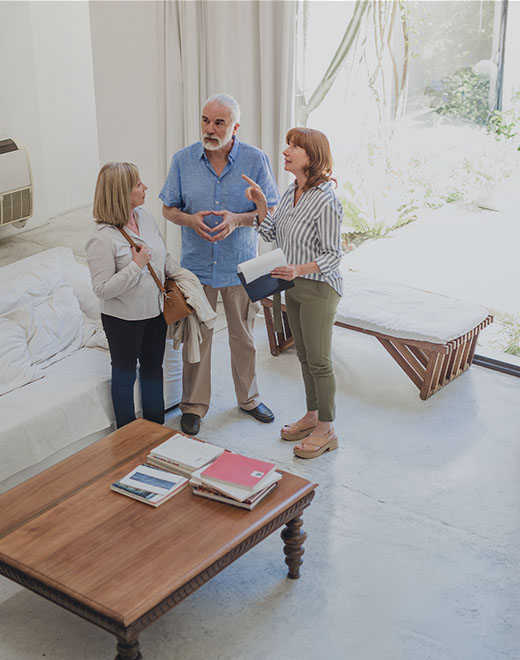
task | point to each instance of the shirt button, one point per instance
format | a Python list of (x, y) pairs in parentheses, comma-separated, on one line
[(214, 262), (217, 202)]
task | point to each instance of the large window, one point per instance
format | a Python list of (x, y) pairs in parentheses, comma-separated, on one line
[(410, 96)]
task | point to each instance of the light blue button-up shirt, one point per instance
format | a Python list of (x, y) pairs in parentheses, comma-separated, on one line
[(192, 186)]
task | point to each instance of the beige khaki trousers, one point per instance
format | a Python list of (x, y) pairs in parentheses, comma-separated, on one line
[(196, 378)]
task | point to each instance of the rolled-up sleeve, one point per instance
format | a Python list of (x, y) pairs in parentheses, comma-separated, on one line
[(106, 282), (266, 181), (267, 228), (328, 227), (171, 191)]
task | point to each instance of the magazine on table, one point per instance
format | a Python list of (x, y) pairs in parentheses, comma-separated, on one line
[(150, 484), (248, 503), (235, 479), (234, 492), (239, 471), (183, 455)]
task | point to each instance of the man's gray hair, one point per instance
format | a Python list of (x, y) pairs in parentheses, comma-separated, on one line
[(229, 102)]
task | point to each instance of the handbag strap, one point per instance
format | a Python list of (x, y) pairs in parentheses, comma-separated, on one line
[(138, 248)]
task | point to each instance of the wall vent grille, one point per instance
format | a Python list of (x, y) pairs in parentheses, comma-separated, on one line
[(16, 205)]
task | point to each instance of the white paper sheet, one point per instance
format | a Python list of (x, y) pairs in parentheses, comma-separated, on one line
[(262, 265)]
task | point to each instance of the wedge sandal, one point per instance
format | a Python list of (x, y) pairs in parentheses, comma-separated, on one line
[(299, 433), (317, 445)]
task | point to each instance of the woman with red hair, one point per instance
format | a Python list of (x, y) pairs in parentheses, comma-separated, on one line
[(307, 227)]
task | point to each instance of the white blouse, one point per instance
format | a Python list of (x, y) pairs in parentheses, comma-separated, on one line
[(125, 290)]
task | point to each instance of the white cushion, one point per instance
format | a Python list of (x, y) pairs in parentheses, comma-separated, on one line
[(78, 276), (35, 277), (53, 327), (93, 334), (63, 256), (172, 372), (16, 368), (71, 402), (405, 312), (27, 285)]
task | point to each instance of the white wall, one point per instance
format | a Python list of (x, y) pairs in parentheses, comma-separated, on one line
[(47, 100), (128, 67), (65, 87), (19, 105)]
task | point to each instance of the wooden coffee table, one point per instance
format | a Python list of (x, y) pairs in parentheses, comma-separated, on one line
[(119, 563)]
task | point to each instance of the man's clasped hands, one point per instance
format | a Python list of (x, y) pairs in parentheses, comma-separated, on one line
[(230, 221)]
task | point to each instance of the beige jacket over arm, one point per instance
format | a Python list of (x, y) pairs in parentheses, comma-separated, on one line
[(188, 331)]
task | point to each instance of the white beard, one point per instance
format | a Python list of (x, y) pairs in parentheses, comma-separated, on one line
[(217, 143)]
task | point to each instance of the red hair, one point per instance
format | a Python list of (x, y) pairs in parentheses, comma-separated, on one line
[(317, 148)]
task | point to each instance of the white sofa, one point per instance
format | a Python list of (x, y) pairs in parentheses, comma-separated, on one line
[(54, 365)]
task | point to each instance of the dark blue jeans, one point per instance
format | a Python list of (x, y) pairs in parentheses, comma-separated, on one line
[(129, 342)]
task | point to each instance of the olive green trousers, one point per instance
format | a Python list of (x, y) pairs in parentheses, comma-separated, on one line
[(311, 308)]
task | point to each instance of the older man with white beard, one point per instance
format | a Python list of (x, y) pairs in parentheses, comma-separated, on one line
[(204, 194)]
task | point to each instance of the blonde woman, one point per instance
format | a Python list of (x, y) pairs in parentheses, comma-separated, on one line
[(307, 227), (129, 299)]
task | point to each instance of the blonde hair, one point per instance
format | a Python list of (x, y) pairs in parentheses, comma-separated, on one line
[(317, 148), (113, 190)]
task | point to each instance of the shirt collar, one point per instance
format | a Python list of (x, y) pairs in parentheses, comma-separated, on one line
[(232, 154), (234, 149), (322, 186)]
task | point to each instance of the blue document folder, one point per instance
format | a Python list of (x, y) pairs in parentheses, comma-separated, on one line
[(264, 286), (255, 275)]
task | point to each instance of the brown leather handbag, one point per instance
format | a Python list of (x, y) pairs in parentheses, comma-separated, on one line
[(175, 305)]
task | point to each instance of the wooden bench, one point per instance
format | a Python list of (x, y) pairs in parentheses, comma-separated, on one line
[(432, 352)]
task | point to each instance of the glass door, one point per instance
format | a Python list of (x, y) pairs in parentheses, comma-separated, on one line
[(426, 144)]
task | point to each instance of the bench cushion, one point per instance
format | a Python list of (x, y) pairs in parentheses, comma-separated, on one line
[(405, 312)]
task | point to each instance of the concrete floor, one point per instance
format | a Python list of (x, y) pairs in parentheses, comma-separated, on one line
[(413, 537)]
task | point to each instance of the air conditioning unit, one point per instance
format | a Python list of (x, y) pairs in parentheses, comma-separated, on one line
[(16, 195)]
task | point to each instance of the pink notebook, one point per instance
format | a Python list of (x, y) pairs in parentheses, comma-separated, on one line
[(238, 470)]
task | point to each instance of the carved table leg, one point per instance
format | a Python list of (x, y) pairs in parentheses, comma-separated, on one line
[(128, 650), (293, 538)]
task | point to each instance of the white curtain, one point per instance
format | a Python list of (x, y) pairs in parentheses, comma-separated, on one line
[(244, 48)]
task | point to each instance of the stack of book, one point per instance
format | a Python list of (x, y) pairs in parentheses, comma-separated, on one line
[(150, 484), (183, 455), (235, 479)]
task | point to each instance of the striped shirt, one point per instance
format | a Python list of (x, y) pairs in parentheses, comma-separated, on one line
[(309, 231)]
